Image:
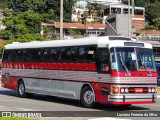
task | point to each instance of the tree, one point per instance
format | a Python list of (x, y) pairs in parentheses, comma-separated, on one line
[(152, 12), (24, 23), (49, 9)]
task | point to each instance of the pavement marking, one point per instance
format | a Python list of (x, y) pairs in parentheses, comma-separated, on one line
[(22, 109), (108, 118), (7, 100)]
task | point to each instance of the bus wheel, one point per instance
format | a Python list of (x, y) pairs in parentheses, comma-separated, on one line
[(21, 89), (87, 97)]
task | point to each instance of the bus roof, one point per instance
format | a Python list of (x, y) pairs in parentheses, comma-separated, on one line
[(103, 41)]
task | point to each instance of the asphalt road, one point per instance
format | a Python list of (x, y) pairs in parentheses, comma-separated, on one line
[(66, 107)]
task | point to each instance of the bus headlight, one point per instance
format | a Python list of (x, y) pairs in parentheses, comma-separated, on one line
[(153, 90), (122, 90), (149, 90), (126, 90)]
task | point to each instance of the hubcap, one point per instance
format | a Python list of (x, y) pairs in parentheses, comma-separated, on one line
[(21, 89), (89, 97)]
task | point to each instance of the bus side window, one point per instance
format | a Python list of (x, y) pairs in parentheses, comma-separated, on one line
[(103, 61), (91, 54), (6, 56), (45, 55), (53, 54), (36, 55), (81, 54), (61, 55)]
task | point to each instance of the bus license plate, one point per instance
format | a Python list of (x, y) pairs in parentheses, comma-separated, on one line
[(138, 90)]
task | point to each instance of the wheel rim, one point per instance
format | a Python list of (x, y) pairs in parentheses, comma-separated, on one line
[(21, 89), (89, 97)]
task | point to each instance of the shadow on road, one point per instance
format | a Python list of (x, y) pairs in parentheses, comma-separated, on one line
[(8, 92), (102, 107)]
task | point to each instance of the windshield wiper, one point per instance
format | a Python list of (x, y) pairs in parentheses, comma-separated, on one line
[(124, 65)]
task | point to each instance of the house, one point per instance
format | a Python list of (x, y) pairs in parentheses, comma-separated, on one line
[(89, 28)]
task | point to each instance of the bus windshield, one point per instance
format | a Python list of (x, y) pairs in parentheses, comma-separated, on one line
[(132, 59)]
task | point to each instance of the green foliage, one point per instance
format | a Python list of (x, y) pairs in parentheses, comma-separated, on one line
[(24, 23), (24, 17), (150, 27), (95, 7), (152, 12), (49, 9), (73, 32), (3, 4), (25, 38), (16, 118), (157, 22)]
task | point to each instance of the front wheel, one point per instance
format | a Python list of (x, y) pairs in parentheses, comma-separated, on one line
[(87, 97)]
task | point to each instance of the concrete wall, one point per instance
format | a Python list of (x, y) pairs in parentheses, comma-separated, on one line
[(120, 23)]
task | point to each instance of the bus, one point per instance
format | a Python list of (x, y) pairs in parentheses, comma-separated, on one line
[(108, 69)]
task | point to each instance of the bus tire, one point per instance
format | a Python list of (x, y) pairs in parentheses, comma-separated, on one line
[(21, 89), (87, 97)]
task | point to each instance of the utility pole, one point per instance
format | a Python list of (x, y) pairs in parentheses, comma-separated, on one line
[(61, 20), (129, 17)]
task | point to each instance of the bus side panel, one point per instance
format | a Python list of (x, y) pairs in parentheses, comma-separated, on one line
[(100, 95), (61, 88), (10, 83)]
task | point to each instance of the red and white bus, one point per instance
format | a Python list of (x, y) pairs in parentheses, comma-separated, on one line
[(108, 69)]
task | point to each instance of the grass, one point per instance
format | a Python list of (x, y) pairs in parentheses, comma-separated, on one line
[(16, 118)]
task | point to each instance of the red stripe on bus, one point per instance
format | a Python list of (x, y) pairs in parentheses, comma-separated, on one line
[(56, 66)]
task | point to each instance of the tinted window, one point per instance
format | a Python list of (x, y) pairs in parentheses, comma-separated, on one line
[(53, 54), (90, 54), (36, 55), (81, 54)]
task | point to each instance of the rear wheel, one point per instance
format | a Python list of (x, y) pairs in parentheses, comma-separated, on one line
[(87, 97), (21, 91)]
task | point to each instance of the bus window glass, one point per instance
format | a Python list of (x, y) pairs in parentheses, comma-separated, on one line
[(126, 59), (53, 54), (36, 55), (68, 54), (81, 54), (145, 59), (90, 54), (7, 56), (62, 54), (73, 53), (103, 61), (45, 55), (114, 65)]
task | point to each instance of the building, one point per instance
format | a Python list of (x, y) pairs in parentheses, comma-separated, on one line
[(88, 29), (112, 7)]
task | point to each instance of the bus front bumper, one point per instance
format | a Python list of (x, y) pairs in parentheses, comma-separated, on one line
[(132, 98)]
